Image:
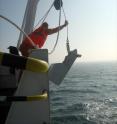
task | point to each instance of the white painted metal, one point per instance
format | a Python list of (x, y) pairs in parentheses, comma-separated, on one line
[(31, 84), (58, 71)]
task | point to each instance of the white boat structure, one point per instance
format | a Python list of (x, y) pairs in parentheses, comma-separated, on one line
[(26, 100)]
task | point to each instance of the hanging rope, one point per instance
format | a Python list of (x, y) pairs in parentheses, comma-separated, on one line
[(57, 34), (44, 17), (58, 4), (67, 40)]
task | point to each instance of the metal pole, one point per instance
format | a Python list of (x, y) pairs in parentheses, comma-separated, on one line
[(29, 19)]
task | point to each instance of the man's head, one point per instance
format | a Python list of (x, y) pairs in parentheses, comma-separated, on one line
[(45, 25)]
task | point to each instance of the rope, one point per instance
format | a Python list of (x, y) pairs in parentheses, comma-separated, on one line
[(45, 16), (65, 19), (57, 34), (67, 40), (64, 13), (11, 22), (43, 19)]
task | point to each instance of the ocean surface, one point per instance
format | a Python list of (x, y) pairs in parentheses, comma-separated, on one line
[(88, 95)]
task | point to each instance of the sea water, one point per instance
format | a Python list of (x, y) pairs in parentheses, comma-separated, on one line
[(88, 95)]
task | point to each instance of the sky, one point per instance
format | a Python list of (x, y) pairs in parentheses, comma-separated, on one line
[(92, 27)]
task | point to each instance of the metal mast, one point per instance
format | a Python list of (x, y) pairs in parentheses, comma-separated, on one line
[(29, 19)]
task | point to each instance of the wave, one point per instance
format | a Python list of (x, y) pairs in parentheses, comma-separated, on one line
[(69, 91), (81, 98), (71, 119), (104, 112), (74, 108)]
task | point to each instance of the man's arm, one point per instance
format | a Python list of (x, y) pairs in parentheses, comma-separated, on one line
[(55, 30)]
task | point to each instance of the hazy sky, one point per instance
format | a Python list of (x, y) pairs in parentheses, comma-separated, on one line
[(92, 27)]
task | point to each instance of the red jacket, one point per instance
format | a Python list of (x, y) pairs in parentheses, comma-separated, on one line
[(38, 36)]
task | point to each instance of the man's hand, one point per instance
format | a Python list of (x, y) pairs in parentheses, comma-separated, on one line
[(55, 30), (66, 23)]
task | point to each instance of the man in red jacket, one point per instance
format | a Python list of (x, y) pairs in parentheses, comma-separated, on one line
[(39, 37)]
